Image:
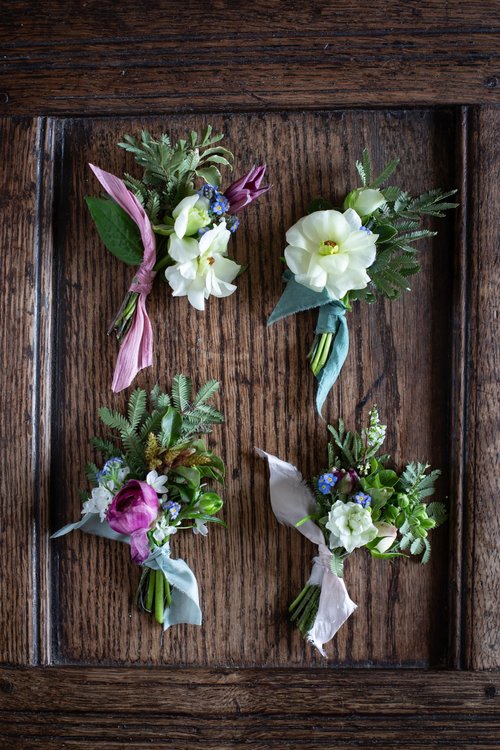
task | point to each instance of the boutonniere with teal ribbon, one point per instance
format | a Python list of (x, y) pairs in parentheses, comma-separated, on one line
[(150, 485), (337, 256)]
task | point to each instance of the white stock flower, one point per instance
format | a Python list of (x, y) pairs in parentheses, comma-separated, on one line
[(201, 268), (157, 482), (350, 526), (330, 250), (190, 215), (98, 502)]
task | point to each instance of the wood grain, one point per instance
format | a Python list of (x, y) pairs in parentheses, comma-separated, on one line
[(19, 249), (399, 358), (69, 58), (482, 635), (256, 709)]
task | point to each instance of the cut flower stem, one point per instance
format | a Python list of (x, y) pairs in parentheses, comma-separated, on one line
[(320, 352), (304, 608)]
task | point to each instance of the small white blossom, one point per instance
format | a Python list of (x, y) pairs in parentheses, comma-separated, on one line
[(365, 201), (98, 502), (350, 526), (201, 267), (200, 528), (157, 482), (330, 250), (163, 529), (190, 215)]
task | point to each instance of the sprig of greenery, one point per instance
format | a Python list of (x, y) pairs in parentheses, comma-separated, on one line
[(398, 226), (170, 169)]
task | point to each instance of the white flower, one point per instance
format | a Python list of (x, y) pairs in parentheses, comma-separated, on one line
[(202, 268), (350, 526), (190, 215), (365, 201), (163, 529), (157, 482), (98, 502), (330, 250), (200, 528)]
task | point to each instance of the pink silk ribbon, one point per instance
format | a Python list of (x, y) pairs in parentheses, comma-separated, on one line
[(136, 351)]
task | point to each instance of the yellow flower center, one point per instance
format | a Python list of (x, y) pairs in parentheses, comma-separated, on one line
[(210, 261), (329, 247)]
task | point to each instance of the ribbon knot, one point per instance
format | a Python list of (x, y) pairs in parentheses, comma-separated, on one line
[(143, 280)]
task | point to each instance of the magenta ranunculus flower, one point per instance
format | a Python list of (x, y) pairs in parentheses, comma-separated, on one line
[(246, 189), (132, 511)]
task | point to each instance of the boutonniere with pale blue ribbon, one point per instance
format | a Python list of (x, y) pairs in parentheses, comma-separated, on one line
[(151, 485), (357, 501), (338, 256)]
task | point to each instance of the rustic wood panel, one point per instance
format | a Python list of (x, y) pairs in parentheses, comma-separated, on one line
[(482, 636), (68, 58), (19, 405), (258, 709), (399, 358)]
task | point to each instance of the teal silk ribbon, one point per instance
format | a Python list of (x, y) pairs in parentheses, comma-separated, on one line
[(297, 298), (185, 604)]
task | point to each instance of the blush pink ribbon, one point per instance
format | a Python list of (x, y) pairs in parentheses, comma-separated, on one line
[(136, 351)]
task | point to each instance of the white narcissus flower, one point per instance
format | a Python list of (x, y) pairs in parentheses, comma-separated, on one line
[(157, 482), (201, 268), (190, 215), (98, 502), (331, 250), (350, 526)]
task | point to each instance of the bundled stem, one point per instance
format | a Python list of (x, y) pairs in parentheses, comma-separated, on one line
[(154, 594), (320, 352), (304, 608)]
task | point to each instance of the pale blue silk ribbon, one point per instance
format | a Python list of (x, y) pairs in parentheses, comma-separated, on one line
[(185, 604), (297, 298)]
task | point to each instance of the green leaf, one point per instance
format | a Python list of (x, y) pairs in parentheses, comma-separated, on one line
[(136, 408), (211, 175), (385, 174), (171, 426), (181, 392), (337, 564), (117, 230)]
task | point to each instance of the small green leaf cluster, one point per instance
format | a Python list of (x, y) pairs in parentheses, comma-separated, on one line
[(166, 438), (170, 170), (397, 224)]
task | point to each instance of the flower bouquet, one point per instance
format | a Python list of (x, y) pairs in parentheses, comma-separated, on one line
[(152, 485), (356, 502), (335, 257), (163, 222)]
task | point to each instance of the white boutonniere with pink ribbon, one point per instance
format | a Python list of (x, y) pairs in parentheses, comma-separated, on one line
[(176, 219), (356, 502)]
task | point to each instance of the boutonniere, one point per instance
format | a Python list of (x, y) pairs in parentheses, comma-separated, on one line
[(176, 219), (358, 501), (358, 252), (151, 485)]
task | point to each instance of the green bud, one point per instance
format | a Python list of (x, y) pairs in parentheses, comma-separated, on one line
[(365, 201), (403, 500), (210, 503)]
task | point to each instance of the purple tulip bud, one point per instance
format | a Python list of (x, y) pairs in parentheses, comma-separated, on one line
[(132, 511), (347, 481), (246, 189)]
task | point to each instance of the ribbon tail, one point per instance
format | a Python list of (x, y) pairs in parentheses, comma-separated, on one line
[(92, 524), (136, 351), (328, 375), (296, 298), (335, 607), (185, 604)]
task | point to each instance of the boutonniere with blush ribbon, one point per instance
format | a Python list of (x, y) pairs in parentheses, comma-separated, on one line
[(175, 219)]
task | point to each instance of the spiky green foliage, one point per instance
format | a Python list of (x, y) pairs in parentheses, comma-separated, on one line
[(171, 169), (398, 226)]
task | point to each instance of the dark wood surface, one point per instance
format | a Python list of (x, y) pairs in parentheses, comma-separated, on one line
[(69, 57), (416, 79), (398, 359), (255, 709)]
